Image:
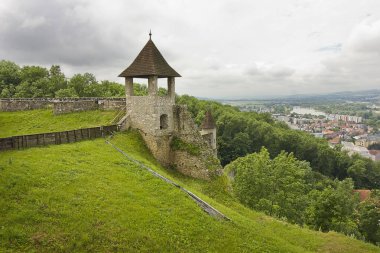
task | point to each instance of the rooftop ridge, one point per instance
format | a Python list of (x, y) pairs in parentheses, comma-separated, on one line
[(149, 62)]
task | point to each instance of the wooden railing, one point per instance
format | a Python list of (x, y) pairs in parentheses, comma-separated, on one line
[(54, 138)]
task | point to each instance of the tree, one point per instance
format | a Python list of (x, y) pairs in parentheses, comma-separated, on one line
[(66, 93), (277, 187), (35, 83), (80, 83), (57, 78), (357, 170), (9, 78), (333, 208), (140, 90), (112, 89), (369, 218)]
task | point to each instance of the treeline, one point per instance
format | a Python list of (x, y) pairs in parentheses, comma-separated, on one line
[(36, 81), (287, 188), (241, 133)]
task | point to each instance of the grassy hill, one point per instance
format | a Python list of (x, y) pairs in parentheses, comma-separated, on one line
[(86, 196), (42, 121)]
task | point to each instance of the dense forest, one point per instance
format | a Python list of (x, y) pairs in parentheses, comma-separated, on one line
[(287, 174)]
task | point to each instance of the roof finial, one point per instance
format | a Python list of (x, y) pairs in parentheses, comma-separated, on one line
[(150, 34)]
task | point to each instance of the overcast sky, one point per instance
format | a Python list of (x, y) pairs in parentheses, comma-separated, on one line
[(222, 49)]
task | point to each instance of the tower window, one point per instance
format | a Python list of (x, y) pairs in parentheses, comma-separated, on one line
[(164, 121)]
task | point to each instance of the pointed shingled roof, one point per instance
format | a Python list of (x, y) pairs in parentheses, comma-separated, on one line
[(208, 122), (149, 62)]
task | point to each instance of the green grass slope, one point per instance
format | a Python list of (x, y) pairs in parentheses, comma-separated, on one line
[(87, 197), (43, 121)]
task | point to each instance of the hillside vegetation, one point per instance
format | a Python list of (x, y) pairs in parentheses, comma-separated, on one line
[(86, 196), (43, 121), (242, 133), (293, 175)]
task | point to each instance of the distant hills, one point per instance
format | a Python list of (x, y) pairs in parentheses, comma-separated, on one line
[(354, 96)]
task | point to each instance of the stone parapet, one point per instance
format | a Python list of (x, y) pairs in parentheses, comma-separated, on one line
[(61, 105)]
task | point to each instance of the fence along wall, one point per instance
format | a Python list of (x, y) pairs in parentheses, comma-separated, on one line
[(34, 140)]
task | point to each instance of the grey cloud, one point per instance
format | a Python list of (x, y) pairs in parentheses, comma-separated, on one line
[(269, 73), (53, 31), (358, 65), (281, 72), (211, 44), (252, 70), (331, 48), (365, 38)]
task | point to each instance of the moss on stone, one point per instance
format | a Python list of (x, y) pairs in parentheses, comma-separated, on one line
[(212, 163), (179, 144)]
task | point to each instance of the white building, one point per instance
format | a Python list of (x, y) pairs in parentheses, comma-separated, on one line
[(351, 148)]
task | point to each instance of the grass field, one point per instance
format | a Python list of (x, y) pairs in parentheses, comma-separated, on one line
[(87, 197), (43, 121)]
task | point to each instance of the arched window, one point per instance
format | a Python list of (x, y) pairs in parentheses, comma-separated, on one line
[(164, 121)]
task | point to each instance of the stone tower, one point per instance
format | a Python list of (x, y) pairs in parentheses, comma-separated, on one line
[(167, 128), (151, 114), (208, 130)]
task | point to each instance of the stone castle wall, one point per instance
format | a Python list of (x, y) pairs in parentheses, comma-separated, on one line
[(209, 135), (61, 105), (145, 112), (74, 106), (203, 165), (195, 157), (111, 104), (159, 147), (12, 105), (68, 106)]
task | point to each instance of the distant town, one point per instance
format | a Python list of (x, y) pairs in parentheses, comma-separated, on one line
[(346, 130), (356, 134)]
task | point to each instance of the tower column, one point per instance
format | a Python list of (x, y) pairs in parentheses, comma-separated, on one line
[(171, 87), (129, 86), (152, 85)]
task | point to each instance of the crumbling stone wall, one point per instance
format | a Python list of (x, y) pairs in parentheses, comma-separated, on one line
[(68, 106), (74, 106), (111, 104), (202, 165), (159, 146), (193, 156), (22, 104), (61, 105)]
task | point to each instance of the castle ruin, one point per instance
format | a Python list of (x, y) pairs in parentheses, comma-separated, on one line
[(168, 129)]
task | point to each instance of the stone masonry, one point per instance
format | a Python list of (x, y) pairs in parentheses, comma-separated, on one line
[(61, 105), (168, 129)]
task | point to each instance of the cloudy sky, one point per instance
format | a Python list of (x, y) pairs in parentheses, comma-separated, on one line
[(222, 48)]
